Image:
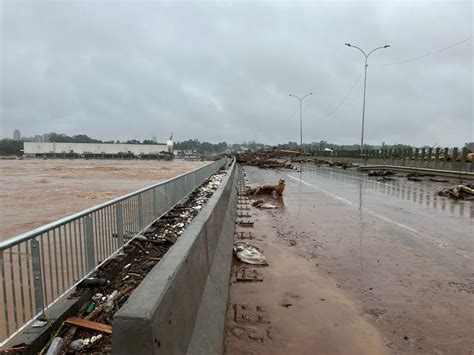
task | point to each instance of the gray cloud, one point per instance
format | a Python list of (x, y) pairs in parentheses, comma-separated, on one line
[(223, 71)]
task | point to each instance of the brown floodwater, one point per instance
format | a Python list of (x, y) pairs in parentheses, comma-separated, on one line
[(35, 192)]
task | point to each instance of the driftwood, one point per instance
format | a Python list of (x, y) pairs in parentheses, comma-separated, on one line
[(263, 161), (459, 192), (268, 189), (87, 324)]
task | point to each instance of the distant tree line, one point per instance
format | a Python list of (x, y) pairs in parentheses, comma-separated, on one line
[(11, 147), (194, 145), (83, 138), (64, 138)]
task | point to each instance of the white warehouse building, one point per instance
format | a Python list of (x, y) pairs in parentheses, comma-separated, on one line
[(36, 148)]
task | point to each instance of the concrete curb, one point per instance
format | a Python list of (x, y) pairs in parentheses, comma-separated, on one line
[(180, 306)]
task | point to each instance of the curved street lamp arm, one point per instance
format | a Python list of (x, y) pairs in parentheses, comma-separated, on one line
[(308, 94), (373, 50), (365, 55), (296, 97)]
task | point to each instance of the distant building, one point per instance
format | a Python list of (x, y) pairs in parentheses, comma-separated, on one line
[(16, 135), (40, 148)]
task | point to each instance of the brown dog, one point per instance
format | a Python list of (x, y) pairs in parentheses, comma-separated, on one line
[(268, 189)]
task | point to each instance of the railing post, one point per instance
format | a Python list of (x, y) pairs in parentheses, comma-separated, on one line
[(437, 151), (445, 157), (140, 212), (119, 219), (454, 160), (89, 242), (155, 203), (463, 159), (37, 275)]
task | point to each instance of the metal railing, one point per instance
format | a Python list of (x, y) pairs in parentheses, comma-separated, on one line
[(39, 267), (434, 158)]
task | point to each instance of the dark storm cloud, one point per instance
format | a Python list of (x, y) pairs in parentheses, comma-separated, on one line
[(223, 71)]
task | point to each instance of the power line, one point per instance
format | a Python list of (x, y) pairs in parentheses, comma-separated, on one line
[(425, 55), (344, 98)]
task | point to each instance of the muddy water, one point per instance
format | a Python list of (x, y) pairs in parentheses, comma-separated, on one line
[(36, 192), (399, 256)]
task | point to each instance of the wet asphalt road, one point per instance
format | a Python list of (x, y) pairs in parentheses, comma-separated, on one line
[(403, 254), (412, 208)]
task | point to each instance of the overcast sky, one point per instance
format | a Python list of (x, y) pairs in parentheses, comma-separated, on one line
[(223, 71)]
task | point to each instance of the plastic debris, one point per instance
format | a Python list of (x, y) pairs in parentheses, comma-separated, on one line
[(55, 346), (90, 308), (249, 254), (263, 204), (97, 297), (39, 323), (110, 305), (77, 344)]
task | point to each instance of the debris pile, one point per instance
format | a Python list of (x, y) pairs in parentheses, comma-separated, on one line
[(459, 192), (113, 282), (249, 254), (381, 173), (414, 177), (263, 161), (268, 189)]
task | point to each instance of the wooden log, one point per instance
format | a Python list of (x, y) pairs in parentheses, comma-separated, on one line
[(87, 324)]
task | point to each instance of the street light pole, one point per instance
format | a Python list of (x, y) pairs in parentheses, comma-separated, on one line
[(301, 117), (365, 86)]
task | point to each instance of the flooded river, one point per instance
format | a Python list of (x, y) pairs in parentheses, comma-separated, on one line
[(35, 192)]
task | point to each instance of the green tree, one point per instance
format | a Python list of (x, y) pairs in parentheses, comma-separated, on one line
[(11, 147)]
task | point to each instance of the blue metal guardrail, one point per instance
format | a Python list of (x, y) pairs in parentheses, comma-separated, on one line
[(37, 268)]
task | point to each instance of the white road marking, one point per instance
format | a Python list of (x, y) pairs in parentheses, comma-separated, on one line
[(352, 204), (345, 175)]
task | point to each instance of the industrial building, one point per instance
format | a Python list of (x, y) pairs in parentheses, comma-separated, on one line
[(98, 150)]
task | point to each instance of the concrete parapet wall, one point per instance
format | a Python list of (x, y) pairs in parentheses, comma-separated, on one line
[(180, 306)]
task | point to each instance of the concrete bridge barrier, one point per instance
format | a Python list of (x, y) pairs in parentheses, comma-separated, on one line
[(180, 306)]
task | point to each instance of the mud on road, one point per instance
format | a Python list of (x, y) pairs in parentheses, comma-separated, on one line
[(356, 269)]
